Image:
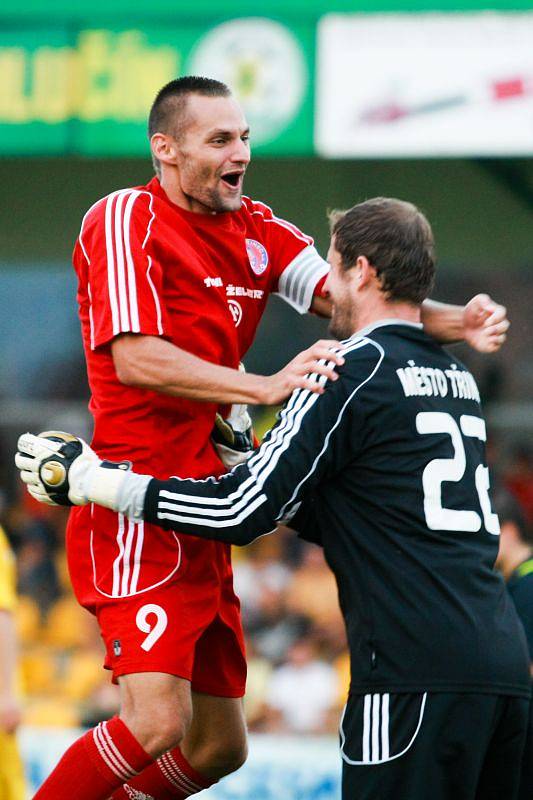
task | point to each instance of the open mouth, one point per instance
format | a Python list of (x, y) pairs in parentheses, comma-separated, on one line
[(232, 179)]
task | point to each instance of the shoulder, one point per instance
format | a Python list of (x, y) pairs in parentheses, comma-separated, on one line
[(363, 359), (118, 204), (263, 215), (119, 209), (363, 355)]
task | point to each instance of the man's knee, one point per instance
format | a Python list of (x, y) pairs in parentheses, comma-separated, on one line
[(218, 758), (233, 757), (157, 709)]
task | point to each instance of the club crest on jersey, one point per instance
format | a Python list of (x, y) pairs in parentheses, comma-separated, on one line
[(257, 255)]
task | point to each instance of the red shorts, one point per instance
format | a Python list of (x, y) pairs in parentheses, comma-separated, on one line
[(164, 601)]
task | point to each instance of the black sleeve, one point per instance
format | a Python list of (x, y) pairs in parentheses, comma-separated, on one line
[(314, 439)]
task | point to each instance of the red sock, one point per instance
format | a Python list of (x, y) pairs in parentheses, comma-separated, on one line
[(96, 764), (171, 777)]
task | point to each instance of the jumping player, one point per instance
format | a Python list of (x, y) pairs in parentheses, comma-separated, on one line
[(173, 279), (386, 469)]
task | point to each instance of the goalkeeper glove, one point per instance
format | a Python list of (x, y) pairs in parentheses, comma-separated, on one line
[(233, 437), (60, 469)]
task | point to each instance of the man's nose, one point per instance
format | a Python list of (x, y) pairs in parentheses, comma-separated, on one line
[(241, 152)]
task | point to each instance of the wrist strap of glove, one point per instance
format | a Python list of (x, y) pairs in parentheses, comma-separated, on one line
[(103, 482)]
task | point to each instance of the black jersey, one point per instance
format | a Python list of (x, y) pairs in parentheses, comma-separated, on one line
[(387, 470)]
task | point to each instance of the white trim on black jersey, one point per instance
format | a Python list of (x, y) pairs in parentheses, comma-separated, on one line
[(381, 323), (249, 496), (376, 744)]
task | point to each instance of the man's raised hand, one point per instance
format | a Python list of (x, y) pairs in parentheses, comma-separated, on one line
[(300, 373), (485, 324)]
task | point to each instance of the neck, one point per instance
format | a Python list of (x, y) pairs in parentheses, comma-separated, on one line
[(377, 310), (521, 552), (170, 183)]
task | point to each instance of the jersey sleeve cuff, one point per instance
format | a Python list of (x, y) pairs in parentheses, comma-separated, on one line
[(105, 337), (299, 278)]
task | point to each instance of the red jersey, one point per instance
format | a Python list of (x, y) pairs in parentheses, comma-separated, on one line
[(201, 281)]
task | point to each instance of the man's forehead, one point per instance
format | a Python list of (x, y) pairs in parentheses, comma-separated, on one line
[(215, 114)]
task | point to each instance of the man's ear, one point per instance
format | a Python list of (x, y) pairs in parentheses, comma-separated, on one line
[(164, 148), (364, 271)]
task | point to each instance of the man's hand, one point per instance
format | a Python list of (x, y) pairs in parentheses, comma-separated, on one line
[(320, 359), (485, 324), (60, 469), (10, 714)]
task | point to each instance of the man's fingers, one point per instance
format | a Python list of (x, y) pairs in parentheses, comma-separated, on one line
[(311, 385), (327, 350), (24, 462), (495, 343), (497, 330), (497, 321), (37, 446), (29, 478), (39, 493), (322, 369)]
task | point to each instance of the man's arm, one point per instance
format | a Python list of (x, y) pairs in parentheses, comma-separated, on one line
[(315, 437), (151, 362), (10, 713), (481, 323)]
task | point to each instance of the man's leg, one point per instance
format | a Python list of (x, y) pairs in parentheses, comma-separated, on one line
[(216, 743), (155, 714), (417, 746), (501, 772), (205, 755)]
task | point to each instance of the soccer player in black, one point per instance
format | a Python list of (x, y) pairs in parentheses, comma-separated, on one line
[(386, 469)]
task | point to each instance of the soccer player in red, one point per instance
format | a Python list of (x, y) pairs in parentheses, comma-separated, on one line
[(173, 280)]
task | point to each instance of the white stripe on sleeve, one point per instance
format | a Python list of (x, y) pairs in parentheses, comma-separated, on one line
[(240, 504)]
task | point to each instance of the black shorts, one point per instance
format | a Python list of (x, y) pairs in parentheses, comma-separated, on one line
[(438, 746)]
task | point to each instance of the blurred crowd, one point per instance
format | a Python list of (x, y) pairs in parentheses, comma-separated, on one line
[(298, 662)]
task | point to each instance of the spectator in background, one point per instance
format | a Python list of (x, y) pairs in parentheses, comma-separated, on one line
[(261, 571), (275, 630), (303, 692), (37, 536), (313, 591), (519, 478), (515, 561), (12, 785)]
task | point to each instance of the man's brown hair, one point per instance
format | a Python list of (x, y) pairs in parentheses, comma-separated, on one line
[(168, 112), (397, 240)]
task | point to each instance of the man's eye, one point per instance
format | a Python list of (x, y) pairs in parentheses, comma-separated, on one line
[(246, 137)]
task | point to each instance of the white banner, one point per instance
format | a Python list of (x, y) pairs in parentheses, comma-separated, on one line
[(278, 767), (425, 85)]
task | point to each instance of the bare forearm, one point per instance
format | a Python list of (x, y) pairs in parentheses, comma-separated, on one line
[(321, 306), (443, 321), (164, 368), (152, 363), (8, 651)]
